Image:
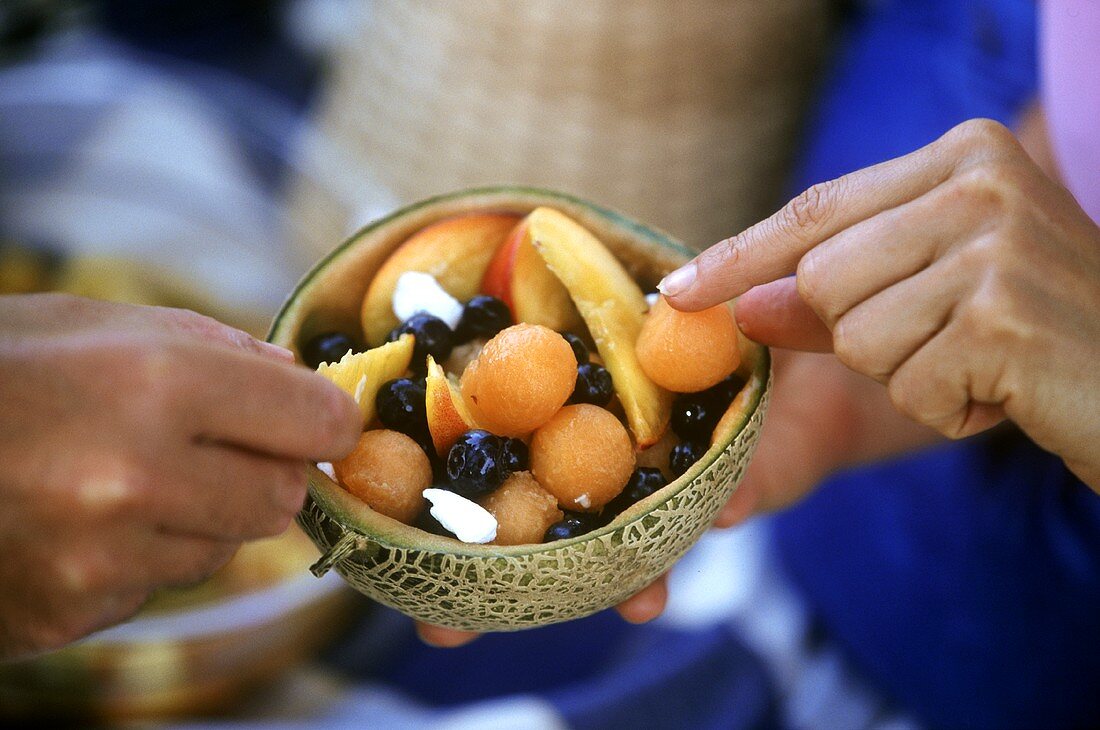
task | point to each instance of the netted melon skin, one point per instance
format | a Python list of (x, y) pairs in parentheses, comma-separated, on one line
[(545, 586)]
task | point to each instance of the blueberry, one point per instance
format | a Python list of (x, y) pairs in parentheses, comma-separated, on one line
[(475, 464), (326, 347), (483, 316), (574, 523), (515, 456), (401, 407), (580, 350), (593, 385), (643, 482), (433, 337), (694, 416), (684, 454), (723, 393), (427, 523)]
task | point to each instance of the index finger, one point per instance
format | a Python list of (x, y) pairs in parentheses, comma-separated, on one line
[(772, 248), (234, 397)]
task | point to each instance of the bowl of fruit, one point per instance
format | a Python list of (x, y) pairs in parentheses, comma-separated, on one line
[(541, 437)]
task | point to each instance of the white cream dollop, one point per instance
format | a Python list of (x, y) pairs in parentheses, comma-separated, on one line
[(469, 521), (418, 292)]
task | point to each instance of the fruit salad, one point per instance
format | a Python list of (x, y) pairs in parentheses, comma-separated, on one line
[(517, 385)]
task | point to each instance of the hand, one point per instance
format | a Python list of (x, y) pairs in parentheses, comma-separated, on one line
[(959, 276), (139, 447)]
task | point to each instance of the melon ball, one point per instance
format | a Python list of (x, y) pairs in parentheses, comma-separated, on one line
[(388, 471), (523, 509), (583, 456), (686, 352), (521, 378)]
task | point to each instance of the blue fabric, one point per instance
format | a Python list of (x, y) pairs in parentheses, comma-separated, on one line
[(598, 672), (965, 584), (906, 71)]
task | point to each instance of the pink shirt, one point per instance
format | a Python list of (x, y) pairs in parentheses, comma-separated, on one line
[(1069, 58)]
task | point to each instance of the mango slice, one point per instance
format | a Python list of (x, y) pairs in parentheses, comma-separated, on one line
[(361, 374)]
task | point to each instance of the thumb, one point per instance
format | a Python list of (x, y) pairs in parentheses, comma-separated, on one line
[(773, 314)]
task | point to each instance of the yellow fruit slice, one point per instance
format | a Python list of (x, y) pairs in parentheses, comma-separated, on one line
[(360, 375), (612, 306)]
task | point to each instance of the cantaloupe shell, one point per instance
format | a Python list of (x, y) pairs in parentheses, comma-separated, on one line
[(495, 588)]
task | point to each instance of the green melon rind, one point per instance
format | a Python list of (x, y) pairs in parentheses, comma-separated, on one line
[(496, 588)]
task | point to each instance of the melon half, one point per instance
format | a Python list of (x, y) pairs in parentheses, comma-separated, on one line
[(445, 582)]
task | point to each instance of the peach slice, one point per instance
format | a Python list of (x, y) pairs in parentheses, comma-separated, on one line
[(612, 306), (519, 277), (361, 374), (448, 417), (456, 251)]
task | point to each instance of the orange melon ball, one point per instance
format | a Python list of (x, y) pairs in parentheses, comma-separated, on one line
[(521, 378), (686, 352), (388, 471), (583, 456), (523, 509)]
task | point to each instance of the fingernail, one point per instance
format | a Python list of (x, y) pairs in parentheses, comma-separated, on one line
[(678, 281)]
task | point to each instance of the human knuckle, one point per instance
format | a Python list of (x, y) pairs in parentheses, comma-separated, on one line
[(154, 374), (810, 279), (81, 569), (846, 345), (810, 208), (977, 135), (980, 255), (986, 188), (904, 396), (726, 254), (110, 486), (995, 316)]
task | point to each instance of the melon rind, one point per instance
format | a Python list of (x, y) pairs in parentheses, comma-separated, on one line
[(504, 588)]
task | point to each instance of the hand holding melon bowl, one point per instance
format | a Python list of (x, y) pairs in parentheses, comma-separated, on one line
[(540, 440)]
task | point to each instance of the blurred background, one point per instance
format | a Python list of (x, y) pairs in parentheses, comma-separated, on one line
[(203, 153)]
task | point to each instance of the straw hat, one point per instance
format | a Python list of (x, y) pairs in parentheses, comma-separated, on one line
[(680, 114)]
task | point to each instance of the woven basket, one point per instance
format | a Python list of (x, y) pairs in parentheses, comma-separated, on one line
[(685, 114)]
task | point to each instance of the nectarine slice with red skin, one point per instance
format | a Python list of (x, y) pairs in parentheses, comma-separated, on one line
[(456, 251), (498, 276), (448, 417), (613, 307), (519, 277)]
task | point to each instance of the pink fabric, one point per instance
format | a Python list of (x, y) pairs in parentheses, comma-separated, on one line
[(1069, 53)]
